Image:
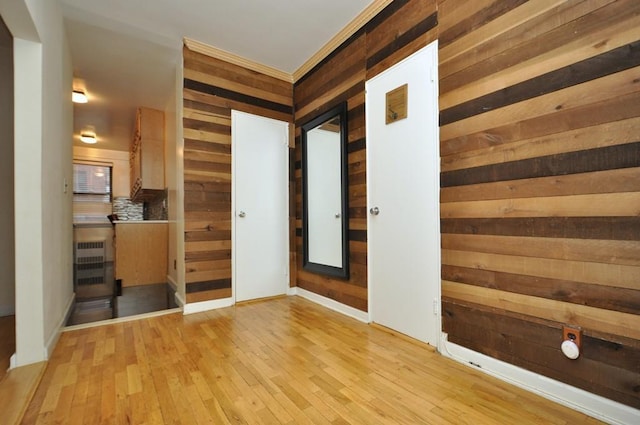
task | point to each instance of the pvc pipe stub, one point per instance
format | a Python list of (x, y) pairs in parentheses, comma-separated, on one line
[(570, 349)]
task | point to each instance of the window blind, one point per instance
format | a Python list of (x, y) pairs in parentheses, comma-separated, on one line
[(91, 192)]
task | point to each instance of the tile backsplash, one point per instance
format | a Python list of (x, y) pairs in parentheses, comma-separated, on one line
[(127, 210), (156, 209)]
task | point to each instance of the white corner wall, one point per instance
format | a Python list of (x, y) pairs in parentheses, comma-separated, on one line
[(175, 182), (42, 158)]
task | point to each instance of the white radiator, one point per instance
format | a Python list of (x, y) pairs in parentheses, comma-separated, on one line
[(87, 252)]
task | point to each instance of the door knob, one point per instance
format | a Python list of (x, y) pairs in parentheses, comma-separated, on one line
[(374, 211), (241, 214), (337, 215)]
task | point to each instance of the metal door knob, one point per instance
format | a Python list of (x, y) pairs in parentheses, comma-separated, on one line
[(337, 215), (241, 214), (374, 211)]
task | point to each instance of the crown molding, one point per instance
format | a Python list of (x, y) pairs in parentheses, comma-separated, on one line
[(214, 52), (358, 22), (352, 27)]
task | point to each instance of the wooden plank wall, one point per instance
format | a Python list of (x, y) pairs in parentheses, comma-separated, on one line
[(540, 199), (401, 29), (212, 88), (540, 161)]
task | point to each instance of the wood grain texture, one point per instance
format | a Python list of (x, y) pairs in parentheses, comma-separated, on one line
[(282, 361), (212, 88), (540, 185), (398, 31), (534, 346), (141, 253)]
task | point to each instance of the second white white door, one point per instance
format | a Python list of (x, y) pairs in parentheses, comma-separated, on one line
[(403, 200), (260, 198)]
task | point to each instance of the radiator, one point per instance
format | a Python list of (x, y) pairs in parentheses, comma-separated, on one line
[(88, 252)]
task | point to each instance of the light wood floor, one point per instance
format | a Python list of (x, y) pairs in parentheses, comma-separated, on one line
[(282, 361)]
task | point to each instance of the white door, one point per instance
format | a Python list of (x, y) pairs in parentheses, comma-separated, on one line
[(260, 198), (403, 200)]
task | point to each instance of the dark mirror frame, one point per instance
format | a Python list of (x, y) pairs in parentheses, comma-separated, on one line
[(340, 272)]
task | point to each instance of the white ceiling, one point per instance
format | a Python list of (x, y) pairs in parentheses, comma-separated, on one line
[(126, 51)]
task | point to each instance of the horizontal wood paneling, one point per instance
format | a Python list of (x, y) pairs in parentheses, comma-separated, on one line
[(398, 31), (535, 346), (540, 199), (212, 88)]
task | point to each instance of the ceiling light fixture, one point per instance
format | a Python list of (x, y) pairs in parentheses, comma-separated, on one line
[(87, 137), (79, 96)]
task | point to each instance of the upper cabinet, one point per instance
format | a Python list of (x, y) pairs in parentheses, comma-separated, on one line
[(147, 155)]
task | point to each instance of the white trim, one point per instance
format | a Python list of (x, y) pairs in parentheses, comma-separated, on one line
[(176, 295), (590, 404), (217, 53), (207, 305), (121, 319), (292, 291), (352, 27), (334, 305), (51, 344), (179, 300)]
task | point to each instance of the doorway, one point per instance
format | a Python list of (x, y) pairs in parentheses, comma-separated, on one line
[(403, 197), (7, 223), (260, 198)]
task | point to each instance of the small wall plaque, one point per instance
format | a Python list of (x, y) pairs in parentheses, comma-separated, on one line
[(396, 104)]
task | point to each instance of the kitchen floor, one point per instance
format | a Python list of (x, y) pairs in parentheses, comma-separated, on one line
[(98, 296)]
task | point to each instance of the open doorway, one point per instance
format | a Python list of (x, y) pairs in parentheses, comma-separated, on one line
[(7, 224)]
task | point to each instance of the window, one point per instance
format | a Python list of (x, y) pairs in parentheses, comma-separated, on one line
[(91, 192)]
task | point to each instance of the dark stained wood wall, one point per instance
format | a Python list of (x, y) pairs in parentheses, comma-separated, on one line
[(401, 29), (212, 88), (540, 199), (540, 161)]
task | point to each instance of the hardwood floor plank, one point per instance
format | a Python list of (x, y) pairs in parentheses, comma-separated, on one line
[(281, 361)]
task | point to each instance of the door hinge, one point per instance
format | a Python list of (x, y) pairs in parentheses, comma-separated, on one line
[(436, 305)]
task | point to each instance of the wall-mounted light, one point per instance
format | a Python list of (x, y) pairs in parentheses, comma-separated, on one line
[(79, 96), (88, 137)]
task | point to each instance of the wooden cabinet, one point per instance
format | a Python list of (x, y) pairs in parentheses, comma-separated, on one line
[(141, 253), (147, 155)]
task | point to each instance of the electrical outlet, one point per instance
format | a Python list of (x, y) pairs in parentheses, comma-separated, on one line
[(573, 334)]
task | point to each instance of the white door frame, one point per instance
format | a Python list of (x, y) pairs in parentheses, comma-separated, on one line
[(435, 304), (234, 213)]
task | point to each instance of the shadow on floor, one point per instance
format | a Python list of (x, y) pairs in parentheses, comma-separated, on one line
[(99, 297)]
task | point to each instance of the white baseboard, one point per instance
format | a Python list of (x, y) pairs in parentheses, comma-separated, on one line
[(53, 340), (292, 291), (590, 404), (207, 305), (121, 319), (176, 295), (179, 300), (334, 305)]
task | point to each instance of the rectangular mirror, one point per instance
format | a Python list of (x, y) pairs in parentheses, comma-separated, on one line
[(325, 221)]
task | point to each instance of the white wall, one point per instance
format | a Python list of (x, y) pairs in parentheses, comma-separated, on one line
[(175, 182), (7, 257), (43, 140)]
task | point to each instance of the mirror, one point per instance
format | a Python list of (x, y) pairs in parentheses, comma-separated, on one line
[(325, 218)]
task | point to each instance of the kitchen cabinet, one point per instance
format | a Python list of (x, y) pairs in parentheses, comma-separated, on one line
[(147, 155), (141, 252)]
